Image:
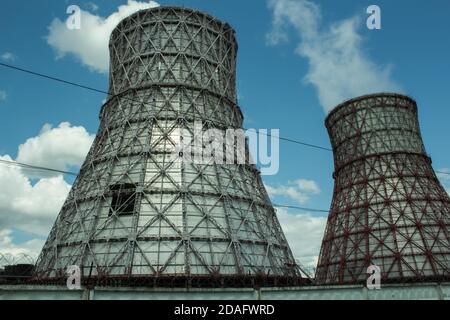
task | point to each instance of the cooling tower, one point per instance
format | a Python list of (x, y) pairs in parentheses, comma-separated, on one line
[(388, 207), (137, 215)]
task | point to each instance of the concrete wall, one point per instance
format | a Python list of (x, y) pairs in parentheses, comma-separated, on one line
[(394, 291)]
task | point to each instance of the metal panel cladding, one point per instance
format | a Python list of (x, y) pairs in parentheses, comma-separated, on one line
[(388, 207), (134, 211)]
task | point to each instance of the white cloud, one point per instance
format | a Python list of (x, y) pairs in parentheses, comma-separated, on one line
[(338, 67), (3, 95), (11, 250), (444, 177), (298, 190), (307, 186), (8, 56), (27, 207), (303, 15), (90, 43), (92, 6), (33, 205), (444, 174), (286, 191), (57, 147), (304, 233)]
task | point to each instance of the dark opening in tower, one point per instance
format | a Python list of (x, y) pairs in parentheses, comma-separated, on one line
[(123, 199)]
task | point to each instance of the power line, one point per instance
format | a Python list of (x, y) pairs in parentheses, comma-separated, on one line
[(298, 208), (107, 93), (52, 78), (38, 74), (71, 83), (299, 142), (29, 166)]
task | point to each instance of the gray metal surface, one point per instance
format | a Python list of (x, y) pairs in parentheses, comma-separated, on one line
[(169, 68), (428, 291)]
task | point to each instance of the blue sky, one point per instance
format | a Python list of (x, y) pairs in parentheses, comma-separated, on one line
[(411, 53)]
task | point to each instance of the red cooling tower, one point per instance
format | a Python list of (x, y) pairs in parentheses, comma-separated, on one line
[(388, 207)]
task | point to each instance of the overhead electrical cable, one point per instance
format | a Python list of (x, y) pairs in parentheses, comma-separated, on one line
[(29, 166)]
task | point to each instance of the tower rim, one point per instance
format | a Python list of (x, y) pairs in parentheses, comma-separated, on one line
[(365, 97), (174, 8)]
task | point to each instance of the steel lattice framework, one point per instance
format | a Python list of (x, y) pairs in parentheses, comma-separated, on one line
[(136, 213), (388, 207)]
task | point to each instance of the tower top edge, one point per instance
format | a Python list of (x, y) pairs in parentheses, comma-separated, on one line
[(178, 9), (367, 97)]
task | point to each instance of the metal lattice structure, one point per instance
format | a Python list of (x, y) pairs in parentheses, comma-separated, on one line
[(134, 212), (9, 259), (388, 207), (15, 268)]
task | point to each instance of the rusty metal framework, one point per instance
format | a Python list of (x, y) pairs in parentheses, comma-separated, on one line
[(134, 212), (388, 207)]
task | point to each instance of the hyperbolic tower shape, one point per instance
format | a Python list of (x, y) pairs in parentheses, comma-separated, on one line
[(388, 207), (134, 212)]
